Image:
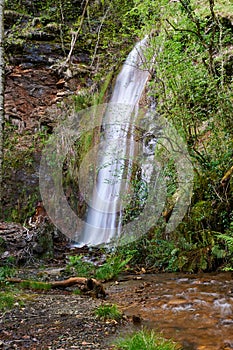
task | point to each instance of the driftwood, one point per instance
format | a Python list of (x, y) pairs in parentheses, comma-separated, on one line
[(86, 285)]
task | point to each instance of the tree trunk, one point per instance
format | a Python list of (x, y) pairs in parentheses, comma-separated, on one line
[(1, 90)]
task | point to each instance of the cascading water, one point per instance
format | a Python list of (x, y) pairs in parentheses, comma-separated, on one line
[(116, 152)]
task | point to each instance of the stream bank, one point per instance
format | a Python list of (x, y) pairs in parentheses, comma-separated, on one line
[(56, 321), (196, 310)]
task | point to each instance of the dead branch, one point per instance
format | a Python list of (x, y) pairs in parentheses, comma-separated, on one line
[(98, 38), (86, 285), (75, 34)]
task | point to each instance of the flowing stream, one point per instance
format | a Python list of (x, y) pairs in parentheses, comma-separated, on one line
[(195, 310), (116, 152)]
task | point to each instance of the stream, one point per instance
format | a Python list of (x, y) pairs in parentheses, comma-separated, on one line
[(195, 310)]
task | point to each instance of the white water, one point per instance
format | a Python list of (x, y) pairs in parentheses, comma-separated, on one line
[(116, 153)]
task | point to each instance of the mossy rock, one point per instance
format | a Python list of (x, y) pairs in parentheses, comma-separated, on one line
[(43, 247)]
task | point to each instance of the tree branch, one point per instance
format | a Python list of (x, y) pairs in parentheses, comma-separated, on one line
[(75, 34)]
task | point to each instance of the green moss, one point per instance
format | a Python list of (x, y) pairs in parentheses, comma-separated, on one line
[(35, 285)]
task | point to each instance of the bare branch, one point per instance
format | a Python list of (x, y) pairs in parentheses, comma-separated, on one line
[(98, 38), (75, 34)]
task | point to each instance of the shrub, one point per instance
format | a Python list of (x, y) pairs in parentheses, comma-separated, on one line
[(81, 268), (115, 264)]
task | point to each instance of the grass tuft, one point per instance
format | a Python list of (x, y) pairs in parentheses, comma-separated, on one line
[(108, 312), (146, 340), (114, 265)]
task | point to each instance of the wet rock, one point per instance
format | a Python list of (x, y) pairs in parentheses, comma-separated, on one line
[(39, 35), (24, 245), (136, 319), (177, 302), (12, 17)]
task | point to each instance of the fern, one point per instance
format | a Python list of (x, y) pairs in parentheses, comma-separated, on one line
[(228, 240), (218, 252)]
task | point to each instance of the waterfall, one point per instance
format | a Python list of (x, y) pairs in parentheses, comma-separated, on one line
[(116, 153)]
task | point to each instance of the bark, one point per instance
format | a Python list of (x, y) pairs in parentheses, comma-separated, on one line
[(86, 285), (1, 91)]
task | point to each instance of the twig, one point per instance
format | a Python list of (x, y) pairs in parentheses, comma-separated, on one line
[(75, 34), (98, 38)]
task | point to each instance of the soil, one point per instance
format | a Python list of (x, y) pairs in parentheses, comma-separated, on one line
[(57, 318), (56, 321)]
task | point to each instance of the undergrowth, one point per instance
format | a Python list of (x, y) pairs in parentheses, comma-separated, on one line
[(108, 312), (146, 340), (110, 269)]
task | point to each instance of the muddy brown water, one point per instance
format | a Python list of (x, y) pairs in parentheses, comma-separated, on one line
[(195, 310)]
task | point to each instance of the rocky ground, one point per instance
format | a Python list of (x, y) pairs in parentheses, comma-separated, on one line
[(50, 319), (56, 321)]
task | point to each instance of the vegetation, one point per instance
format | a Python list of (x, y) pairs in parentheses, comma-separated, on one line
[(110, 269), (146, 340), (192, 87), (108, 312), (79, 267), (35, 285), (5, 272), (114, 265), (9, 297), (7, 301), (191, 83)]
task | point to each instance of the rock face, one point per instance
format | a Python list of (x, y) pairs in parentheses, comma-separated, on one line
[(28, 93), (39, 88), (37, 94)]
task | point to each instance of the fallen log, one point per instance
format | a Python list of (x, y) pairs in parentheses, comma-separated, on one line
[(86, 285)]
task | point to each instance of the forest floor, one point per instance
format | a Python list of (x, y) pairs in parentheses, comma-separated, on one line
[(56, 320), (65, 319)]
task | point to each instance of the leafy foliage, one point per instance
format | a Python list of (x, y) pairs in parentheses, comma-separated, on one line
[(80, 267), (5, 272), (7, 301), (192, 89), (114, 265)]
